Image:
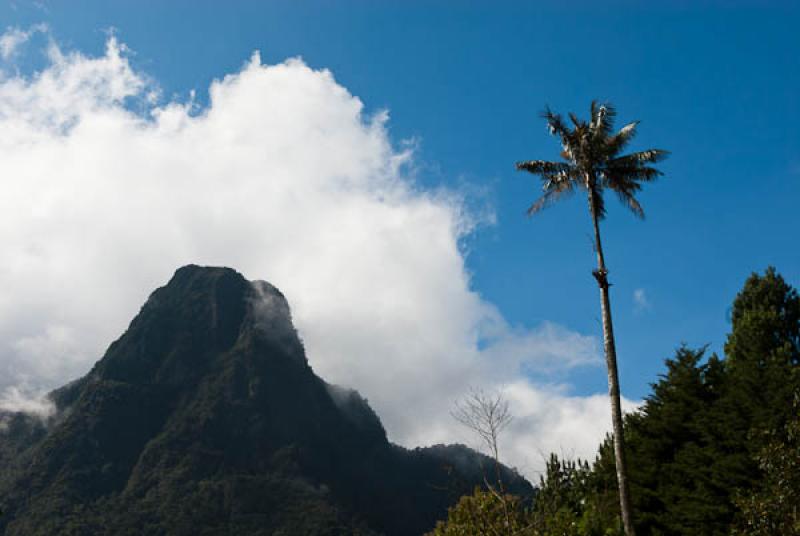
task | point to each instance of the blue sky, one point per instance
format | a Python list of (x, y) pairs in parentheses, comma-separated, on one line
[(717, 86)]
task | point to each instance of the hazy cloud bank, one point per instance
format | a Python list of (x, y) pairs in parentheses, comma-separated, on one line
[(284, 178)]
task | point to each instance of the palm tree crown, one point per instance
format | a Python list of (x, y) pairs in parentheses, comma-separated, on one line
[(592, 161)]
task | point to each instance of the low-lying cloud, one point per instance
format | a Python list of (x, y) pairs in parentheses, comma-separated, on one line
[(16, 400), (284, 177)]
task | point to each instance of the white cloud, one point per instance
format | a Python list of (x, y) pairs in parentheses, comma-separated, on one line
[(640, 301), (14, 37), (284, 178), (548, 420), (14, 399)]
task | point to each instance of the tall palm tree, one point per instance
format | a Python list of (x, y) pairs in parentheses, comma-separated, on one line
[(592, 163)]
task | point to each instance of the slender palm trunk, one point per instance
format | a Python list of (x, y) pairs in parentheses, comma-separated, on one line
[(601, 274)]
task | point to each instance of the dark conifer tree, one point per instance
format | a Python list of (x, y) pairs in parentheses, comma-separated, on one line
[(695, 445), (670, 451), (763, 349)]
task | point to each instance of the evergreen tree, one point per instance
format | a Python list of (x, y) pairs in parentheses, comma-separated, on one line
[(703, 436), (761, 377), (696, 443), (671, 451), (763, 349), (573, 499), (714, 449)]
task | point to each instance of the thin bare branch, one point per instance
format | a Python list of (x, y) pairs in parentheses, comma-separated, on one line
[(485, 414)]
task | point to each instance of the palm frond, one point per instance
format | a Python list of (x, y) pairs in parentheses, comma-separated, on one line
[(622, 184), (614, 174), (541, 203), (618, 141), (602, 121), (650, 156), (541, 167), (599, 207), (556, 185), (554, 189), (555, 124), (630, 201)]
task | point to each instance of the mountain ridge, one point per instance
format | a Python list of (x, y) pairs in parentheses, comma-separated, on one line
[(205, 417)]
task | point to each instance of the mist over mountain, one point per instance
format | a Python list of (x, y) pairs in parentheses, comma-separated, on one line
[(205, 417)]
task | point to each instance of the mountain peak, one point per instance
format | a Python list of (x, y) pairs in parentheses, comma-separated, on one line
[(200, 314), (206, 406)]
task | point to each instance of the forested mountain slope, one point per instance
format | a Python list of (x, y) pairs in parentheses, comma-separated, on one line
[(205, 418)]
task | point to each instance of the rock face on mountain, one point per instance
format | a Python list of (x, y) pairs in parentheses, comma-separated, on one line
[(205, 418)]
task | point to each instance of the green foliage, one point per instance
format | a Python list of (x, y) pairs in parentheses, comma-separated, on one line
[(715, 448), (572, 499), (772, 508), (761, 379), (486, 513), (763, 352), (695, 444), (672, 453)]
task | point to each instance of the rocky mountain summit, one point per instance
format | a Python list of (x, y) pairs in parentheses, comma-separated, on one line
[(205, 418)]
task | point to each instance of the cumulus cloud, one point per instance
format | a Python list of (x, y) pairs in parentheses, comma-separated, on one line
[(549, 420), (284, 177)]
